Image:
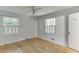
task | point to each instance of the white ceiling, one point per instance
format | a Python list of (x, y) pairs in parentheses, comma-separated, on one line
[(26, 9)]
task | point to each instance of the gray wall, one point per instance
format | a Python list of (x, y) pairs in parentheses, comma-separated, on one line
[(60, 30), (59, 36), (27, 28), (62, 25)]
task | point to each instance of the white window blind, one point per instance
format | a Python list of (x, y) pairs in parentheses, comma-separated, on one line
[(11, 25), (50, 25)]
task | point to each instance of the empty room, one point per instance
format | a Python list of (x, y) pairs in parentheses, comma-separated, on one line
[(39, 29)]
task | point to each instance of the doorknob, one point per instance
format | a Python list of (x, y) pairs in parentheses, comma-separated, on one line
[(69, 32)]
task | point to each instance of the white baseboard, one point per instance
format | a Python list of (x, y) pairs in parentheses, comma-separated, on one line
[(35, 35), (52, 41), (4, 43), (30, 38)]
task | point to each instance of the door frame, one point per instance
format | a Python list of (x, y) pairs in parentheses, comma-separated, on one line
[(67, 30)]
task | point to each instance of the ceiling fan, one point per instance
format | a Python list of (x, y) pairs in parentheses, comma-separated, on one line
[(34, 9)]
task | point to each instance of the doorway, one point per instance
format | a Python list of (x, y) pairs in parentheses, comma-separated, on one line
[(73, 33)]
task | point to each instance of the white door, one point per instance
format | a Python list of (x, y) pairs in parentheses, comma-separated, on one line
[(74, 31)]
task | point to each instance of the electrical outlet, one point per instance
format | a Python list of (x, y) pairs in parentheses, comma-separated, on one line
[(52, 39)]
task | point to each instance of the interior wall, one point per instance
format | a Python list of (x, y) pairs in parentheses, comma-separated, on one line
[(59, 36), (26, 28), (30, 26), (60, 30), (65, 13)]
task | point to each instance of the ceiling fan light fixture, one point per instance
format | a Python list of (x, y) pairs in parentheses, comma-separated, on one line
[(34, 9)]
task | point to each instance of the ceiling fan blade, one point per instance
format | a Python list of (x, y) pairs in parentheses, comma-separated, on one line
[(39, 8), (34, 9)]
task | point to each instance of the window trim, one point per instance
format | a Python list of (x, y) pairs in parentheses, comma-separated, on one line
[(53, 26), (11, 27)]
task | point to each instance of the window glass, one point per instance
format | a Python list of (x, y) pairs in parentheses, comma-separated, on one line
[(11, 25), (50, 25)]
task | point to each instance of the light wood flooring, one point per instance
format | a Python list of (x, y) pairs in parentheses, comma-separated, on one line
[(34, 45)]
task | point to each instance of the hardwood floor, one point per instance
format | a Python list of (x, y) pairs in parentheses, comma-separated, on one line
[(34, 45)]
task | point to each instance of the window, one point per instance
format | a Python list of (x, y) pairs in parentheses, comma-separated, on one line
[(50, 25), (11, 25)]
